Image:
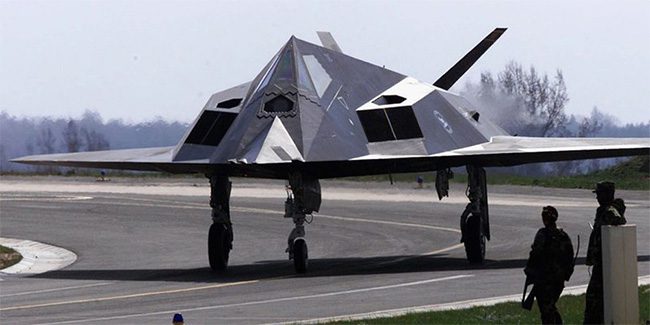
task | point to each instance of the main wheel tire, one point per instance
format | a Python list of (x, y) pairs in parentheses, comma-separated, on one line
[(218, 247), (474, 240), (300, 256)]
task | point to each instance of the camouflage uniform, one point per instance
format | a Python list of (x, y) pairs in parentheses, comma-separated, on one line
[(547, 271), (608, 214)]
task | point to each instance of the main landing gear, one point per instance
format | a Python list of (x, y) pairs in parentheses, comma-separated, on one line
[(220, 236), (303, 198), (474, 221)]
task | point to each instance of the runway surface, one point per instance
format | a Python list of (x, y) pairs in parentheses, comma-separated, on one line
[(142, 249)]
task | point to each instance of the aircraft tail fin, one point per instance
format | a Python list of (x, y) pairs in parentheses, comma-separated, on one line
[(328, 41), (458, 70)]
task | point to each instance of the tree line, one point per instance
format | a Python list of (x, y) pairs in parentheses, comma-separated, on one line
[(20, 136), (527, 103)]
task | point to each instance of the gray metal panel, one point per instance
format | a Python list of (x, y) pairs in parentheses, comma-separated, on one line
[(311, 118), (483, 125), (354, 82), (443, 126), (192, 152), (321, 127), (398, 147), (244, 130)]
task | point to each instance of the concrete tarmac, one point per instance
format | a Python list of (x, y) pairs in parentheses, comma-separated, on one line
[(142, 249)]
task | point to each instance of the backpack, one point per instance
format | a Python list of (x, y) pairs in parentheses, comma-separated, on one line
[(561, 260)]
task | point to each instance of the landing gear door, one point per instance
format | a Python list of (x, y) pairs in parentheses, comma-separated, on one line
[(442, 182)]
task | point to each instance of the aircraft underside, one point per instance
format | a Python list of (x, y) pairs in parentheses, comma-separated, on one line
[(304, 198)]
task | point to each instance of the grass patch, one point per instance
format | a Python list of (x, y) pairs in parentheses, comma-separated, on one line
[(571, 308), (8, 257), (633, 174)]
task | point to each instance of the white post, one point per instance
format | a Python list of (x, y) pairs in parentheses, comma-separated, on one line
[(620, 283)]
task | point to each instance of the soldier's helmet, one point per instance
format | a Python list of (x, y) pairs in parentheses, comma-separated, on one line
[(550, 212), (604, 187)]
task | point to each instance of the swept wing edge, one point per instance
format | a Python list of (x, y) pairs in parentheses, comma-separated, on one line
[(145, 159), (498, 152), (511, 150)]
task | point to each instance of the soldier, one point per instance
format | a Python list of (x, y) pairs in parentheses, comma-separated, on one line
[(610, 212), (549, 265)]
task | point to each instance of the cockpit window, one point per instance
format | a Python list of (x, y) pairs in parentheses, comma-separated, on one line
[(284, 70), (386, 124), (319, 77)]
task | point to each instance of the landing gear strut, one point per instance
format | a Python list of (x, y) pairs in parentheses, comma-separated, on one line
[(474, 222), (220, 235), (303, 199)]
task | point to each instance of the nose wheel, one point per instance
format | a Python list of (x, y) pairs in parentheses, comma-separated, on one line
[(297, 245), (300, 256)]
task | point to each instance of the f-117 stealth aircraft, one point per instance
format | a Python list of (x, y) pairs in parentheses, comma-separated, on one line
[(314, 112)]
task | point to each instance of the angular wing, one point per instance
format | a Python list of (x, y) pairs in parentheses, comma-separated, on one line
[(499, 151), (145, 159), (509, 150)]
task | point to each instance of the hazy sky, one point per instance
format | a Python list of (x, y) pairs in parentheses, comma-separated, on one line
[(135, 60)]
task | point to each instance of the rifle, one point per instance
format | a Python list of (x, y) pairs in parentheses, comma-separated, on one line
[(577, 251), (527, 302)]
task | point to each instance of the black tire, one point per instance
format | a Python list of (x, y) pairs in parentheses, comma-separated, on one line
[(300, 257), (218, 247), (474, 240)]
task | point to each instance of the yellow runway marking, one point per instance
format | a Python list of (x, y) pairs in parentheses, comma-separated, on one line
[(137, 295)]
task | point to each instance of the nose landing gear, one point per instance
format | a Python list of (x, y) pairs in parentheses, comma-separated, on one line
[(303, 199)]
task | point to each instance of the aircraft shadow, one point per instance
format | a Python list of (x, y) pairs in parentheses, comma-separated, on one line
[(284, 269)]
